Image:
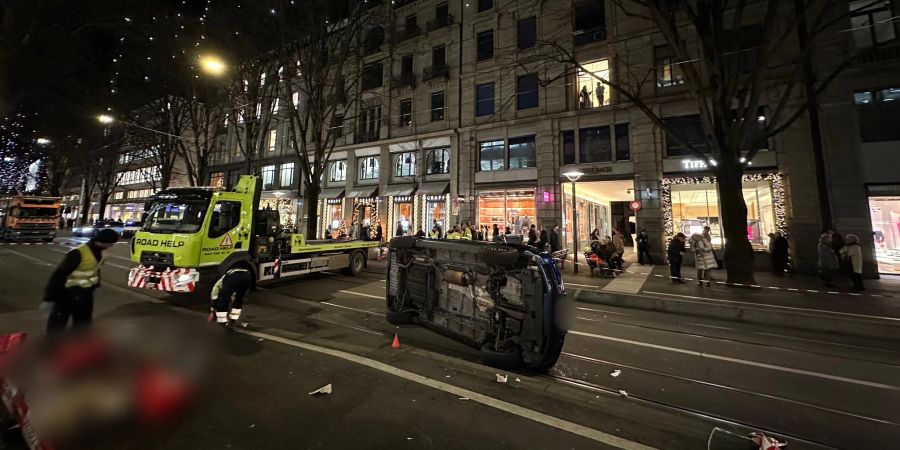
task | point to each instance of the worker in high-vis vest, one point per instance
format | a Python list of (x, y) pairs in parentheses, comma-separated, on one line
[(454, 233), (70, 291), (228, 295)]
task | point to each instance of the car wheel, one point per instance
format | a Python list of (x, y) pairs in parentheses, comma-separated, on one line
[(398, 318), (499, 255), (508, 359), (543, 362)]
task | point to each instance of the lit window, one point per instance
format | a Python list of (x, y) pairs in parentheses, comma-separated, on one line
[(287, 174), (492, 157), (368, 168), (667, 71), (437, 161), (268, 177), (591, 91), (522, 152), (406, 164), (273, 139), (338, 171)]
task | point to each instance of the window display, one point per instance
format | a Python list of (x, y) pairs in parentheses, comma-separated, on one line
[(513, 209), (436, 212), (885, 213), (403, 216), (334, 216)]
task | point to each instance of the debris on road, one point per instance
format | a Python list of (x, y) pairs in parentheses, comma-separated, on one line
[(615, 373), (623, 393), (502, 378), (259, 339), (464, 398), (324, 390)]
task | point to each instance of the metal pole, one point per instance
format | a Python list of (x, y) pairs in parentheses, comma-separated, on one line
[(574, 229)]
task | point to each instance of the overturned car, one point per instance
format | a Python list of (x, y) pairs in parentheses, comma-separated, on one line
[(501, 298)]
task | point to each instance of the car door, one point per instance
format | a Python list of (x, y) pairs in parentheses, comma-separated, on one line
[(225, 234)]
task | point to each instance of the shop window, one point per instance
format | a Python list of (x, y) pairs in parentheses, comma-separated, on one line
[(595, 145), (522, 152), (492, 157), (268, 177), (484, 45), (885, 214), (877, 111), (226, 215), (667, 72), (334, 217), (691, 130), (368, 168), (405, 112), (484, 5), (217, 180), (590, 21), (338, 171), (507, 209), (403, 215), (623, 145), (484, 99), (405, 165), (287, 175), (435, 213), (568, 146), (119, 195), (437, 161), (591, 91), (526, 33), (872, 22), (437, 106), (527, 91)]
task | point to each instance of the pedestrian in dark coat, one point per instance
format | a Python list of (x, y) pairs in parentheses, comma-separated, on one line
[(532, 235), (643, 247), (780, 254), (675, 254), (542, 240), (554, 239)]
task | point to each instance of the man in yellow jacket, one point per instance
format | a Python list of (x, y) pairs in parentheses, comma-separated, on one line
[(70, 291), (454, 234)]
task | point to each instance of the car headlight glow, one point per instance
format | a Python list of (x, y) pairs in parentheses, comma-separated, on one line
[(87, 229)]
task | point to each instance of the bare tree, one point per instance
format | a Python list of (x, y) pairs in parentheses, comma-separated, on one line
[(251, 94), (743, 64), (58, 159), (108, 175), (205, 123), (159, 128)]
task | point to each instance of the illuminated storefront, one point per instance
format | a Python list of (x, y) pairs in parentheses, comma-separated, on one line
[(885, 214), (507, 208), (285, 204)]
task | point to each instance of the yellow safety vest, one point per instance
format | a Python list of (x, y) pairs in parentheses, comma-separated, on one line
[(467, 234), (433, 234), (87, 274), (452, 235), (218, 286)]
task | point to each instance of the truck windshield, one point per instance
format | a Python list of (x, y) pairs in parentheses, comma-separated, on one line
[(175, 216), (38, 213)]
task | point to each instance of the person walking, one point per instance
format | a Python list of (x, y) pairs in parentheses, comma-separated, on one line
[(70, 290), (228, 295), (532, 236), (828, 260), (675, 251), (379, 236), (704, 260), (554, 239), (543, 239), (852, 252), (643, 247), (780, 256), (618, 241)]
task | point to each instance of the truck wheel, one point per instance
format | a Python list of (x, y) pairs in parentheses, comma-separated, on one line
[(508, 359), (499, 255), (357, 264)]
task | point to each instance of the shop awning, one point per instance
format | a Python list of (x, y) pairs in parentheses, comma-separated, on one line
[(398, 189), (363, 192), (331, 193), (435, 188)]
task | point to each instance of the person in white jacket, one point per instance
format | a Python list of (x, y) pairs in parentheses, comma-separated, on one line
[(704, 259), (852, 252)]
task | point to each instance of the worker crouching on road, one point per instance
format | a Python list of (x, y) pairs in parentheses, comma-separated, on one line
[(228, 295), (70, 291)]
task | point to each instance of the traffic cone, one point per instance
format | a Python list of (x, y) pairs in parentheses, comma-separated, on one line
[(396, 343)]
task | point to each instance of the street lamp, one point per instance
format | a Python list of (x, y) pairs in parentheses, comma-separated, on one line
[(42, 141), (213, 65), (105, 119), (573, 176)]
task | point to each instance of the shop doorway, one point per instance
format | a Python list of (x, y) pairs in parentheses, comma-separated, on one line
[(602, 206), (885, 214)]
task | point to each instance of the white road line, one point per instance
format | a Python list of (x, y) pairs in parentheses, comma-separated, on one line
[(30, 258), (766, 305), (583, 285), (739, 361), (379, 297), (510, 408), (345, 325), (364, 311), (603, 311), (710, 326)]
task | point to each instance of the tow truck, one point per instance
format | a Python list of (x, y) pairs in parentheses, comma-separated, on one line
[(192, 236)]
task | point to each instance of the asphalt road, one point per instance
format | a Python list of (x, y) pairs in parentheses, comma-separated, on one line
[(678, 380)]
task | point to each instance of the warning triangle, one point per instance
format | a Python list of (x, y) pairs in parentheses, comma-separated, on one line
[(226, 242)]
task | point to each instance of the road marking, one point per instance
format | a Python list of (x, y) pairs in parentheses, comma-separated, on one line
[(710, 326), (765, 305), (379, 297), (602, 311), (105, 263), (30, 258), (739, 361), (539, 417), (364, 311), (583, 285), (346, 325)]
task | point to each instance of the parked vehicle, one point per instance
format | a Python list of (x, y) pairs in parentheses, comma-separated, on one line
[(29, 218), (91, 230), (501, 298), (131, 227)]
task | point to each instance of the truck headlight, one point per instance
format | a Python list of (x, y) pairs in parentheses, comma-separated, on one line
[(185, 278)]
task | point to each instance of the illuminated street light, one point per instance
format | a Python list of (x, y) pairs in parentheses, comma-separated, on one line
[(105, 119), (213, 65), (42, 141), (573, 176)]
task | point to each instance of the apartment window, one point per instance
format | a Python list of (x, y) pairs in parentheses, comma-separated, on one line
[(591, 91), (337, 125), (492, 157), (295, 99), (370, 124), (623, 145), (410, 23), (368, 168), (273, 140), (442, 14), (405, 112), (526, 33), (522, 152), (338, 171), (667, 72), (406, 69), (437, 161), (438, 57), (872, 22), (484, 5), (568, 146), (372, 75), (287, 175), (878, 111), (268, 177), (485, 45), (590, 21), (119, 195), (437, 106), (595, 145), (405, 165), (484, 99), (527, 91), (690, 129)]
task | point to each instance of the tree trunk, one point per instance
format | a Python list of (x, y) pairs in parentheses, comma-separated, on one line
[(312, 210), (733, 211), (104, 199)]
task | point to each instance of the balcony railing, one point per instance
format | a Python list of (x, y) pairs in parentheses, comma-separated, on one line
[(439, 22), (407, 33), (403, 80), (583, 37), (430, 73)]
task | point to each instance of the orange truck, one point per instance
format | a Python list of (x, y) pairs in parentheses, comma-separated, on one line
[(29, 218)]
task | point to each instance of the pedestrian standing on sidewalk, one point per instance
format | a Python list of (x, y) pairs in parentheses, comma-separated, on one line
[(70, 290), (543, 239), (704, 260), (675, 251), (379, 236), (780, 256), (554, 239), (618, 241), (853, 253), (495, 233), (643, 247), (828, 260)]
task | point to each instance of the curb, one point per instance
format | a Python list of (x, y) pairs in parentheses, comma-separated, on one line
[(835, 323)]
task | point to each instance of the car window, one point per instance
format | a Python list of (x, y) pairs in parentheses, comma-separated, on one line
[(225, 216)]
